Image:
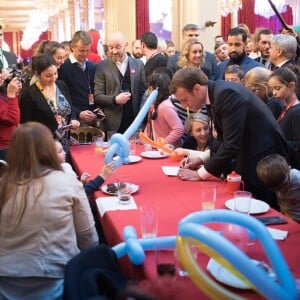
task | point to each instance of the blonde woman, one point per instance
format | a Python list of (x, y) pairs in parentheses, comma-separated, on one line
[(193, 55), (256, 80), (197, 144)]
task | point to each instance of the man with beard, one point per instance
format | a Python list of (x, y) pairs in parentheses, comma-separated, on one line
[(120, 83), (263, 44), (236, 40)]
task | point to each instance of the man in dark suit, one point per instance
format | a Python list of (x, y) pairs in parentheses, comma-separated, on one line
[(246, 129), (6, 58), (120, 83), (190, 31), (283, 54), (263, 44), (236, 40)]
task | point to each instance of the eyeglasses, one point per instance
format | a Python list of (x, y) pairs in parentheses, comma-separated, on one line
[(285, 183)]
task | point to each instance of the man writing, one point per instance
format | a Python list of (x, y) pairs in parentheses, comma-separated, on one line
[(246, 129)]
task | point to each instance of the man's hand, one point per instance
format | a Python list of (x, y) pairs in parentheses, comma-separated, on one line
[(193, 163), (87, 116), (123, 97), (188, 175)]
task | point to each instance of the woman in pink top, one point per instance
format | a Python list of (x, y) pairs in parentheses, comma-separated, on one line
[(163, 121)]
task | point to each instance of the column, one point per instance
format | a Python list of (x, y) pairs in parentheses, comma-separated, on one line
[(120, 16), (197, 12)]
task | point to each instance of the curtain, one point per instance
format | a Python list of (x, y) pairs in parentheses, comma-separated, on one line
[(254, 21), (142, 17)]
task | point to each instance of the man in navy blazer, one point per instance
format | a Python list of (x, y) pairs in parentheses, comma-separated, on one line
[(236, 40), (246, 129), (120, 84)]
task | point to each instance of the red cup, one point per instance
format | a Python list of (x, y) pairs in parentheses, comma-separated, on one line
[(234, 183)]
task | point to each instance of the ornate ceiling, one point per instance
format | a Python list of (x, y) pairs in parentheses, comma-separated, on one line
[(14, 14)]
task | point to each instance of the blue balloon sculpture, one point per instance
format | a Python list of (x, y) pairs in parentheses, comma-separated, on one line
[(119, 142), (191, 227)]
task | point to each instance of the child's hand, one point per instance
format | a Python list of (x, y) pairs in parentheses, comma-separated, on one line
[(84, 177), (107, 170)]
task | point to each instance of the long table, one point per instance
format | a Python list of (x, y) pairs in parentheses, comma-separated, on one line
[(174, 199)]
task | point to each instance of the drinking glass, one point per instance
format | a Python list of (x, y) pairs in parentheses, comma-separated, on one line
[(242, 201), (149, 221), (165, 262), (208, 197), (124, 192)]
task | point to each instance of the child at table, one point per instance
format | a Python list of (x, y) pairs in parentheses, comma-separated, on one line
[(276, 174), (92, 185)]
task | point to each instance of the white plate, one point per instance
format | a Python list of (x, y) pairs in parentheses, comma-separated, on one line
[(257, 206), (134, 188), (221, 274), (132, 158), (154, 154)]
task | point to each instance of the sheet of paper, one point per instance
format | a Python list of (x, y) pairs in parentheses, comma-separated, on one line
[(170, 171), (105, 204), (278, 234)]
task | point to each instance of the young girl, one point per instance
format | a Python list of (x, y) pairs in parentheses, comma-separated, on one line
[(163, 121), (283, 83), (92, 185), (196, 145), (276, 174)]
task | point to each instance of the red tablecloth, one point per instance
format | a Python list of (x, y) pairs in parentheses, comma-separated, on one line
[(174, 199)]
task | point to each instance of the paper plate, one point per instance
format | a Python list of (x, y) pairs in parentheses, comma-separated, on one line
[(132, 158), (134, 188), (223, 275), (154, 154), (257, 206)]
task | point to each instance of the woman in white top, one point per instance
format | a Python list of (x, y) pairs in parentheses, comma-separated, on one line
[(45, 217)]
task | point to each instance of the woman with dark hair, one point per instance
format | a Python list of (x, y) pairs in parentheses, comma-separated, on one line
[(45, 217), (163, 121), (48, 101)]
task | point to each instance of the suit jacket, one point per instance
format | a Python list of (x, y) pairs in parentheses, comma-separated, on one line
[(107, 86), (247, 131), (34, 107), (11, 58), (246, 65)]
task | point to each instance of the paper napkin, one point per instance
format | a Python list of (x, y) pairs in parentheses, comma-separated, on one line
[(112, 203), (170, 171), (278, 234)]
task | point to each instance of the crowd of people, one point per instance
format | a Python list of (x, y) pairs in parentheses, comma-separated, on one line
[(235, 109)]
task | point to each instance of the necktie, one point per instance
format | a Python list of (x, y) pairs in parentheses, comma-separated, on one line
[(263, 61)]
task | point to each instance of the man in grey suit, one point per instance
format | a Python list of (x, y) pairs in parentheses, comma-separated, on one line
[(246, 129), (120, 83), (236, 40), (190, 31), (6, 58)]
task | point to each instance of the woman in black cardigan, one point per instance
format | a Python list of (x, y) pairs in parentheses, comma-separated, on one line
[(48, 101)]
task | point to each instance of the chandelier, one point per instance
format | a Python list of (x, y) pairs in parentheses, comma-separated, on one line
[(230, 6), (51, 8), (264, 9)]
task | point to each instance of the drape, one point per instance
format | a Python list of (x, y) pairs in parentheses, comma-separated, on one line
[(142, 17), (254, 21)]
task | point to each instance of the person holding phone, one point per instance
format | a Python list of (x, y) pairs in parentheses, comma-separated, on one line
[(48, 101)]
